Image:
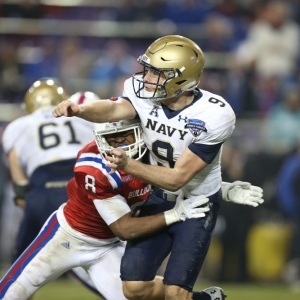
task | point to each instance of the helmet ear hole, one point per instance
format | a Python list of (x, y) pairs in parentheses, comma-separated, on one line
[(179, 72), (180, 82)]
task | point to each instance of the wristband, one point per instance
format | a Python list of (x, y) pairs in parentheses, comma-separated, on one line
[(225, 187), (171, 217), (20, 191)]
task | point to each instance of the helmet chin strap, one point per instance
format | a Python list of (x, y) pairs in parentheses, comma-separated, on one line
[(191, 89), (150, 96)]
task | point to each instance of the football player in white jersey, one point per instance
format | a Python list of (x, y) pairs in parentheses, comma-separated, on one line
[(41, 151), (86, 231), (184, 129)]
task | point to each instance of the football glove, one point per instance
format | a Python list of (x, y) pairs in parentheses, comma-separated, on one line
[(187, 209), (242, 193)]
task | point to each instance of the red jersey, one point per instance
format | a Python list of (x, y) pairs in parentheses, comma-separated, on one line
[(92, 181)]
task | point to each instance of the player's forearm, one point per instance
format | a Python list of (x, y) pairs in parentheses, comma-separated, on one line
[(165, 178), (16, 171), (131, 228), (106, 111), (96, 112)]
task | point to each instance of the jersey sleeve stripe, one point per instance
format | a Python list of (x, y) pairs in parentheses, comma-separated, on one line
[(97, 162)]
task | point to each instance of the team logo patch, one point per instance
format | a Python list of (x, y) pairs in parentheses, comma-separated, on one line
[(185, 119), (113, 123), (195, 126), (154, 111), (114, 98), (127, 178), (66, 245)]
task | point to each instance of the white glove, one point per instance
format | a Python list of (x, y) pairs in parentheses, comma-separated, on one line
[(241, 192), (187, 209)]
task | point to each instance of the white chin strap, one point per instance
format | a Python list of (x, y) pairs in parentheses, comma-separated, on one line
[(149, 95)]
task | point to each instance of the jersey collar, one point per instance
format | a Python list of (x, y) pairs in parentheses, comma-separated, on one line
[(170, 113)]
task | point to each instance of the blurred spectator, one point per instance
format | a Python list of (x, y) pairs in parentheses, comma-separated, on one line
[(49, 63), (218, 34), (114, 62), (136, 10), (186, 11), (38, 59), (29, 9), (239, 90), (214, 80), (215, 43), (240, 12), (11, 81), (74, 62), (273, 42), (224, 75), (271, 49), (282, 124), (289, 201)]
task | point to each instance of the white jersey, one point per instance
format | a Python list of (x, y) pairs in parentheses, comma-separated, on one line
[(40, 138), (209, 120)]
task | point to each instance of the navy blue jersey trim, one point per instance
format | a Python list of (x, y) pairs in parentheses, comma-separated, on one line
[(136, 115), (206, 152), (173, 113)]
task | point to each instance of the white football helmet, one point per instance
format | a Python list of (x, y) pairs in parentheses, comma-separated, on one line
[(135, 150), (84, 97)]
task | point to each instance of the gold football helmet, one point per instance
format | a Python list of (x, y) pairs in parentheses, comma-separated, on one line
[(43, 93), (179, 59)]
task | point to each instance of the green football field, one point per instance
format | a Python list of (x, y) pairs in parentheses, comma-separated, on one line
[(64, 289)]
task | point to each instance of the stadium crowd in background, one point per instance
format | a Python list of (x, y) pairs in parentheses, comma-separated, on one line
[(236, 29)]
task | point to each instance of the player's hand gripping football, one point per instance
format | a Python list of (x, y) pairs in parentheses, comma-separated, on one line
[(66, 108), (193, 207), (242, 193)]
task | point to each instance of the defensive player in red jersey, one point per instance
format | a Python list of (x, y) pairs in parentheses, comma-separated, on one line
[(87, 230)]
